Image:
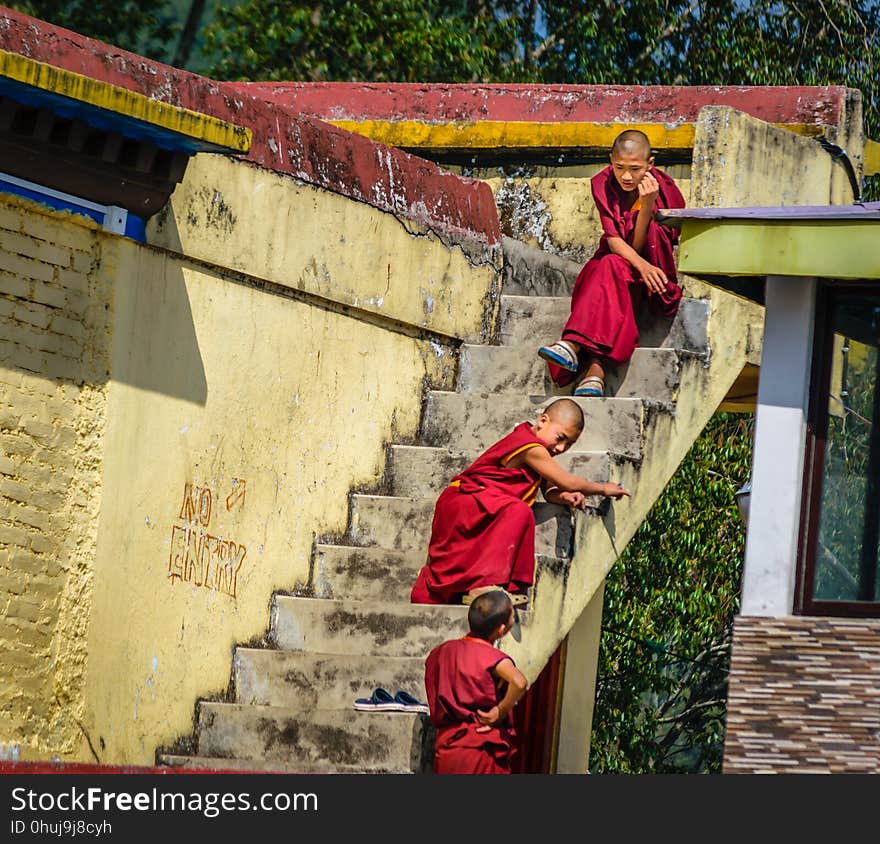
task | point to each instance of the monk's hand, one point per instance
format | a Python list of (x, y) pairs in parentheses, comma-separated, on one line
[(649, 187), (575, 500), (653, 277), (612, 490), (488, 718)]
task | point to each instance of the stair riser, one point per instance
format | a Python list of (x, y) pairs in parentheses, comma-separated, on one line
[(301, 682), (534, 321), (422, 472), (341, 581), (476, 421), (650, 374), (405, 525), (361, 628), (365, 574), (377, 741)]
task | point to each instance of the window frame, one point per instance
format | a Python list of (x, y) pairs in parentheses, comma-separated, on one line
[(827, 297)]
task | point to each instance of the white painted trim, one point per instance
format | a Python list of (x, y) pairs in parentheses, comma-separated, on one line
[(778, 452)]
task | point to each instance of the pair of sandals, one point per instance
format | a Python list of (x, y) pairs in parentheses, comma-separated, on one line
[(561, 354)]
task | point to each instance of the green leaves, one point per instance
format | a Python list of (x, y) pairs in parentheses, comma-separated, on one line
[(669, 606)]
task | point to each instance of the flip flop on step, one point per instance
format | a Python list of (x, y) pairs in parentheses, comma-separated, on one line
[(592, 385), (561, 354)]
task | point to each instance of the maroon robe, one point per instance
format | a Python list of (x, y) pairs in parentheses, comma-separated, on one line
[(608, 290), (483, 532), (458, 682)]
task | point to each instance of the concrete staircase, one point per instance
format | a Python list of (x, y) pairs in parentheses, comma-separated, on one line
[(352, 628)]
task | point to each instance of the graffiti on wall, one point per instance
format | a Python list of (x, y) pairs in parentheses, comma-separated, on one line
[(198, 556)]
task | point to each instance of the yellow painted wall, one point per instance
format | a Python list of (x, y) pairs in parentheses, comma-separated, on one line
[(215, 421)]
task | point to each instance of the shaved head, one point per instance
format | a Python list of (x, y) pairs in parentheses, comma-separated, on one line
[(487, 611), (632, 142), (566, 411)]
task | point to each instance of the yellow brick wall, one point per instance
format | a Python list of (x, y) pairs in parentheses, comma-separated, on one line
[(53, 374)]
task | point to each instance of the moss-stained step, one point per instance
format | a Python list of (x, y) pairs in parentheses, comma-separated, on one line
[(404, 524), (650, 374), (387, 628), (345, 572), (420, 471), (528, 322), (342, 740), (477, 420), (305, 681)]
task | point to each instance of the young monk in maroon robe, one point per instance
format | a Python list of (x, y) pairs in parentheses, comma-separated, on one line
[(483, 531), (634, 262), (472, 687)]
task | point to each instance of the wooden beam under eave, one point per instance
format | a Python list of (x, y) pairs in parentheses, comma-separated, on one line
[(839, 249)]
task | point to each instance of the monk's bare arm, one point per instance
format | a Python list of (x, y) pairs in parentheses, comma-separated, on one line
[(540, 460), (517, 684), (648, 191)]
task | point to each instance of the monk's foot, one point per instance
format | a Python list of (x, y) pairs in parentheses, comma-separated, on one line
[(562, 353)]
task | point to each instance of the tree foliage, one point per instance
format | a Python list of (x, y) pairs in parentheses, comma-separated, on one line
[(669, 607), (142, 26)]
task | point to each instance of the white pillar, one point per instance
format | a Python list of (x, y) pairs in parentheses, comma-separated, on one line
[(778, 452), (579, 688)]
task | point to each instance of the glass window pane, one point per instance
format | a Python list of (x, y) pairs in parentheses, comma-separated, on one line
[(847, 552)]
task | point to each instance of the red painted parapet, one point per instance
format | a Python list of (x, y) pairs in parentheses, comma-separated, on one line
[(283, 139), (433, 103)]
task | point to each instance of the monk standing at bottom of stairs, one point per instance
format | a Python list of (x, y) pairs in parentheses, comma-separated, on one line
[(483, 532), (471, 688)]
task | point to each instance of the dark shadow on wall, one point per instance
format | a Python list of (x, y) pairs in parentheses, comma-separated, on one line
[(155, 345)]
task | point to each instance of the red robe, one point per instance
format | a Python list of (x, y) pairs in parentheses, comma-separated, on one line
[(458, 682), (608, 290), (483, 532)]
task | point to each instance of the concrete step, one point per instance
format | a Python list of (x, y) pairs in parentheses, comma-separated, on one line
[(649, 374), (421, 471), (346, 572), (224, 764), (390, 742), (477, 420), (365, 573), (529, 271), (304, 681), (374, 628), (404, 524), (532, 321)]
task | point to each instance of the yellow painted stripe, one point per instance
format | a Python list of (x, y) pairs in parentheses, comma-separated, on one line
[(104, 95), (532, 493), (508, 457), (872, 158), (496, 134)]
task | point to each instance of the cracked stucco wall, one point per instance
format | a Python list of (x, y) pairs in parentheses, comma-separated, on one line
[(551, 208)]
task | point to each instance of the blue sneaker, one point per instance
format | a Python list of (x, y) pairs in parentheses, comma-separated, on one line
[(380, 701), (409, 704)]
